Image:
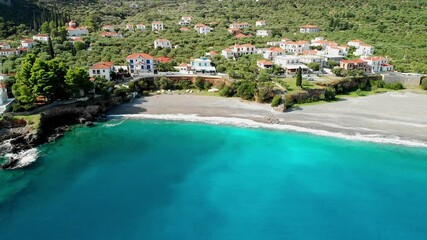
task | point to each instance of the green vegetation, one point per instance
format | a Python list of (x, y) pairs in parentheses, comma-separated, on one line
[(424, 84), (277, 99), (32, 121), (394, 86)]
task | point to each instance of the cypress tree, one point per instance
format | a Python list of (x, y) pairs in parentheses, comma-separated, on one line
[(299, 77)]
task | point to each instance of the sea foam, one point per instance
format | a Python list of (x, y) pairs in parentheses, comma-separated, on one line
[(241, 122), (25, 157)]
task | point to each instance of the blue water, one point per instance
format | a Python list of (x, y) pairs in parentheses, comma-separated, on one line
[(172, 180)]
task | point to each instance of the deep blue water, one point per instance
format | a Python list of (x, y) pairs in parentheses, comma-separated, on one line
[(173, 180)]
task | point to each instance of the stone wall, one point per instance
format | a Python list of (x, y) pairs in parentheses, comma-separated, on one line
[(406, 79)]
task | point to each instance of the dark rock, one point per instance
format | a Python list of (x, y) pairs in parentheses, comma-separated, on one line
[(11, 163), (89, 124)]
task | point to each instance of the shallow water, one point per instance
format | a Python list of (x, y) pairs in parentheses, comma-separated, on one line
[(149, 179)]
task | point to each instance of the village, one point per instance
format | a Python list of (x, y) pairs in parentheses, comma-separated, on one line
[(317, 58)]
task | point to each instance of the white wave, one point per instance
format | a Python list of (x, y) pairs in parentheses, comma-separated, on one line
[(254, 124), (113, 124), (25, 157)]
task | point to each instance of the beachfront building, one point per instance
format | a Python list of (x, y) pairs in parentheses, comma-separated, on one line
[(291, 64), (9, 52), (241, 25), (41, 37), (378, 64), (102, 69), (357, 64), (260, 23), (309, 29), (264, 64), (111, 35), (162, 43), (140, 27), (263, 33), (185, 20), (295, 47), (28, 43), (141, 63), (202, 28), (75, 31), (108, 28), (157, 26), (238, 50), (364, 50), (202, 65)]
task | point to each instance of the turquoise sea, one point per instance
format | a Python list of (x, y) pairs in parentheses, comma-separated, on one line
[(147, 179)]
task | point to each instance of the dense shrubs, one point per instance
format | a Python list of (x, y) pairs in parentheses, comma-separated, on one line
[(277, 99), (394, 86), (424, 84)]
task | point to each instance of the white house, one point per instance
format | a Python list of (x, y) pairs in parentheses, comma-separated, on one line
[(140, 27), (74, 31), (185, 20), (307, 59), (183, 68), (141, 63), (319, 41), (260, 23), (337, 50), (130, 27), (9, 52), (202, 65), (355, 43), (102, 69), (364, 50), (109, 28), (111, 35), (4, 45), (162, 43), (28, 43), (264, 64), (41, 37), (157, 26), (295, 47), (241, 25), (378, 64), (272, 53), (238, 50), (291, 64), (309, 29), (263, 33), (202, 28)]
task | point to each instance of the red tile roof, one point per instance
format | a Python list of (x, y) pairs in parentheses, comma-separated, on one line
[(164, 59), (137, 55), (353, 61), (265, 62)]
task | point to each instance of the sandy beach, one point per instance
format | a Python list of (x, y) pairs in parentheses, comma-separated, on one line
[(400, 116)]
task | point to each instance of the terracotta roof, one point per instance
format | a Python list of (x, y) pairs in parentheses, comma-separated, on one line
[(102, 65), (76, 28), (164, 59), (8, 50), (309, 52), (162, 40), (183, 65), (240, 35), (77, 40), (365, 45), (265, 62), (109, 34), (184, 29), (309, 26), (353, 61), (374, 58), (275, 49), (157, 22), (386, 65), (356, 40), (137, 55), (212, 53)]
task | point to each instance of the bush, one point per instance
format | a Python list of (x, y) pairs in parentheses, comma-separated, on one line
[(277, 99), (359, 92), (227, 91), (246, 90), (424, 84), (207, 85), (394, 86), (199, 83), (163, 83), (330, 93), (183, 84)]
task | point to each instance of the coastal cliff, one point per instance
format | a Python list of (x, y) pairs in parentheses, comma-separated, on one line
[(17, 135)]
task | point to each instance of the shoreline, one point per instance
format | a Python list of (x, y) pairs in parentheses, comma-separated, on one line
[(348, 123)]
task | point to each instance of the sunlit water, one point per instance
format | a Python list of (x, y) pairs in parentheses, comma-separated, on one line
[(137, 179)]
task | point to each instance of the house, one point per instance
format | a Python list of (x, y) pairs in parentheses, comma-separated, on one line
[(364, 50), (202, 65), (357, 64), (111, 35), (41, 37), (263, 33), (140, 27), (185, 21), (102, 69), (320, 42), (238, 50), (9, 52), (260, 23), (162, 43), (295, 47), (307, 59), (183, 68), (291, 64), (130, 27), (355, 43), (4, 45), (240, 35), (157, 26), (309, 29), (272, 53), (264, 64), (141, 63), (184, 29), (76, 39), (337, 50), (241, 25), (378, 64), (234, 31), (109, 28), (273, 43), (164, 59), (202, 28), (28, 43), (74, 31), (211, 54)]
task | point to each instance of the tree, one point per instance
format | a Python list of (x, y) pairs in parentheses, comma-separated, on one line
[(277, 99), (263, 76), (246, 90), (199, 83), (424, 84), (314, 66), (77, 79), (163, 83), (299, 77), (50, 50), (338, 71)]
